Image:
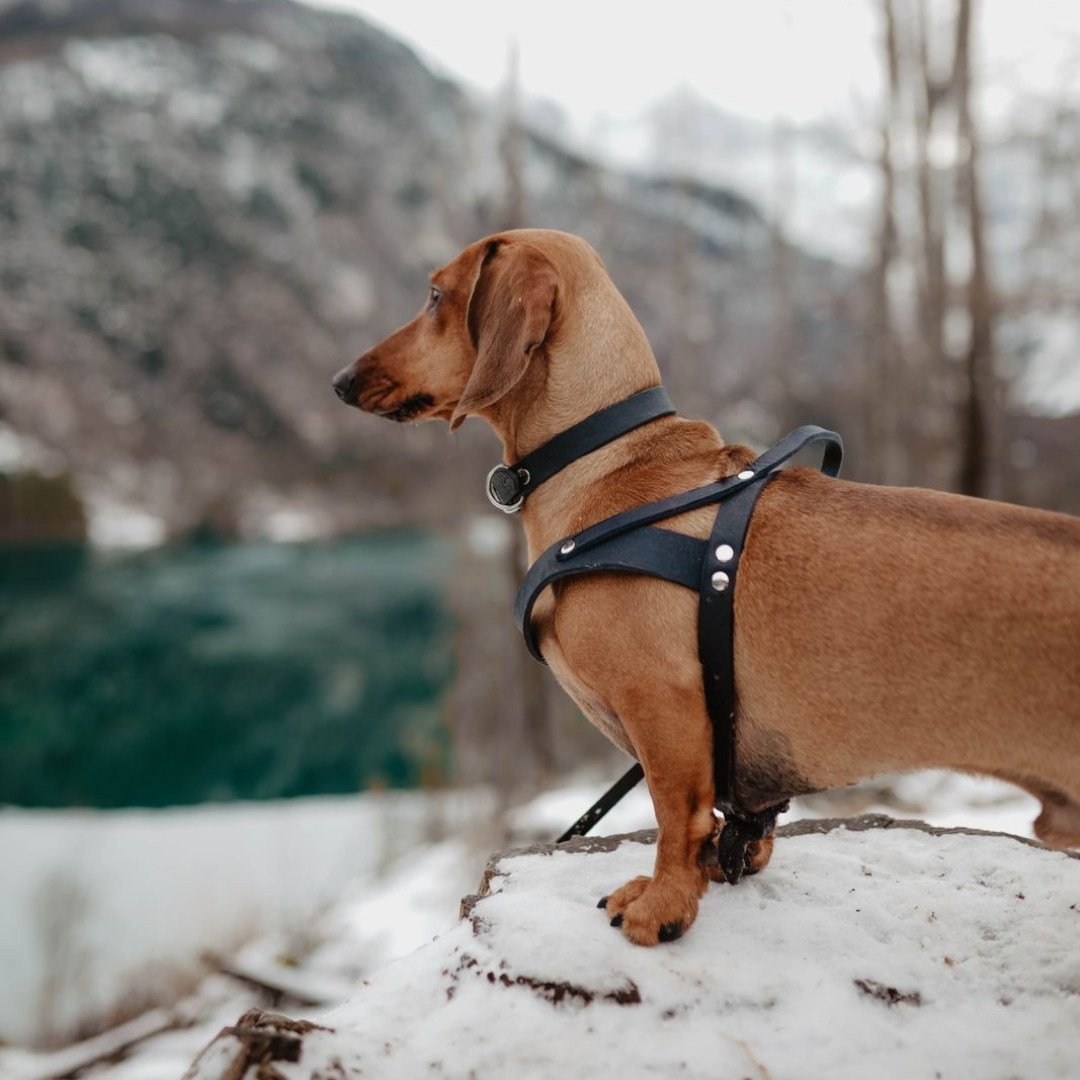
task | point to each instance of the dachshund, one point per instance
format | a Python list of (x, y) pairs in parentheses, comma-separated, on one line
[(877, 629)]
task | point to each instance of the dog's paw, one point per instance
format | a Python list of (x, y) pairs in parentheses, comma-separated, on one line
[(649, 912), (758, 854), (621, 899)]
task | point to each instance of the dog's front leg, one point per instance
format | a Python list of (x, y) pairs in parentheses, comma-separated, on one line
[(674, 745)]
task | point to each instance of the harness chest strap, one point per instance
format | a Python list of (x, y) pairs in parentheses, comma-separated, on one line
[(624, 543)]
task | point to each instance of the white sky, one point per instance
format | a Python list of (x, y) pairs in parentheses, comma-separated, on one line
[(604, 63), (798, 59)]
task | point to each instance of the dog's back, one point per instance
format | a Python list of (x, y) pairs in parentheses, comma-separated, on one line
[(956, 621)]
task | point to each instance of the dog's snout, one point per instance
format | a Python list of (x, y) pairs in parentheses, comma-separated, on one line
[(345, 385)]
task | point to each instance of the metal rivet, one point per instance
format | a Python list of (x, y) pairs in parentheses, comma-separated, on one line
[(567, 547), (725, 553), (720, 581), (524, 477), (746, 474)]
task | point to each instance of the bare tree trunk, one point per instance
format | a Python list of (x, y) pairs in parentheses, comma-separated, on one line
[(785, 403), (930, 195), (513, 211), (930, 371), (537, 757), (880, 389), (978, 362)]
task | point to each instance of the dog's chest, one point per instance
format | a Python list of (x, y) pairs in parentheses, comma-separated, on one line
[(598, 711)]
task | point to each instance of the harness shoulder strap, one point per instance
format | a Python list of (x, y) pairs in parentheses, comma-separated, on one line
[(652, 512), (657, 552), (716, 632)]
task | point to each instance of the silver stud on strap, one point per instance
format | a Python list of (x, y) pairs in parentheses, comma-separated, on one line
[(720, 581), (567, 547), (725, 553), (746, 474)]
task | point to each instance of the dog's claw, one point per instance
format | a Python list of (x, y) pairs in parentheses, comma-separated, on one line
[(617, 921), (602, 903), (671, 931)]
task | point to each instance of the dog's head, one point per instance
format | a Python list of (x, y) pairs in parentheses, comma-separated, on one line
[(487, 314)]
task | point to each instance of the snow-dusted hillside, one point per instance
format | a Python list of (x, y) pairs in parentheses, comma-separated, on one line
[(868, 948), (209, 208)]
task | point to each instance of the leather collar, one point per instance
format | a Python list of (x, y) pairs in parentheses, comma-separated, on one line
[(508, 485)]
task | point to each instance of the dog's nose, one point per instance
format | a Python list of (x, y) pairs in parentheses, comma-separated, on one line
[(344, 385)]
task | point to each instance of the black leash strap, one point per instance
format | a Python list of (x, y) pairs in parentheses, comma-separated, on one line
[(599, 809), (508, 485)]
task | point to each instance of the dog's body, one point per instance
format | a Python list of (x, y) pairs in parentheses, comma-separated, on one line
[(877, 629)]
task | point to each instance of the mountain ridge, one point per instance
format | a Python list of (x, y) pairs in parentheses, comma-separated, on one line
[(209, 208)]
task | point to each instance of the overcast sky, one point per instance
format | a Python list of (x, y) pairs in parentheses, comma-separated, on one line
[(798, 59)]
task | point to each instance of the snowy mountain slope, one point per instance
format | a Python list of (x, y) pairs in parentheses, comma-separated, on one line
[(209, 208)]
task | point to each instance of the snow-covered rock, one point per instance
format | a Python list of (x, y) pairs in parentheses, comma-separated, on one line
[(870, 947)]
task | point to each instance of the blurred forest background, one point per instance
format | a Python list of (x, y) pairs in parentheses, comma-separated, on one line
[(216, 583), (208, 207)]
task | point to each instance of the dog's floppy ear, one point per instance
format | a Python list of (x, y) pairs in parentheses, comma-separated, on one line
[(509, 316)]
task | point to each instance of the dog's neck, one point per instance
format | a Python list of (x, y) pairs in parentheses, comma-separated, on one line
[(609, 359), (595, 354), (648, 462)]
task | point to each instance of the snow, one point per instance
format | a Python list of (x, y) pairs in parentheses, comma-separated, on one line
[(1049, 377), (286, 523), (141, 69), (890, 953), (407, 910), (115, 525), (71, 1058), (329, 892), (940, 798), (102, 908), (256, 53), (487, 535), (20, 453)]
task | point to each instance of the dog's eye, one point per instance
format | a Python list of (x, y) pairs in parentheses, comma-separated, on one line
[(434, 298)]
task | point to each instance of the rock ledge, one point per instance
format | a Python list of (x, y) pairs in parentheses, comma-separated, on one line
[(870, 946)]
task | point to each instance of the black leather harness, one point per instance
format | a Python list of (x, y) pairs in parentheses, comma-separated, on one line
[(632, 542)]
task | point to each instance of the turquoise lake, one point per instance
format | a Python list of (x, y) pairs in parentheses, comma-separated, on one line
[(195, 673)]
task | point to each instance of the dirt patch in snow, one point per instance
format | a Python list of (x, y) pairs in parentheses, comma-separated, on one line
[(556, 992), (889, 994)]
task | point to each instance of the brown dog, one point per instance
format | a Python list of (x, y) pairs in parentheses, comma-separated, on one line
[(877, 629)]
